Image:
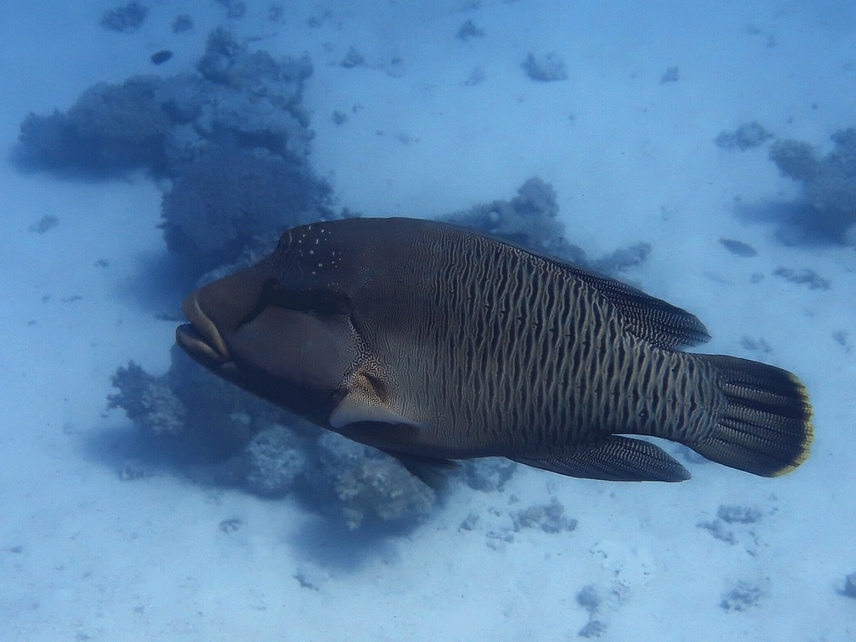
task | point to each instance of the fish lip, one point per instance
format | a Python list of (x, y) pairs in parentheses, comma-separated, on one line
[(200, 337)]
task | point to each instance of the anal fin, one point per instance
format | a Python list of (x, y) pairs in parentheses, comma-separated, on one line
[(615, 459)]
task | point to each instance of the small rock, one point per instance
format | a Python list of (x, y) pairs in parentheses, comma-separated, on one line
[(132, 471), (804, 277), (469, 30), (352, 59), (125, 19), (161, 57), (672, 74), (850, 586), (739, 514), (760, 345), (744, 595), (718, 530), (182, 23), (230, 525), (550, 518), (547, 68), (45, 223), (738, 248), (747, 136), (469, 522)]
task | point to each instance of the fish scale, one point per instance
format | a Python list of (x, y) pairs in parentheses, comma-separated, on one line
[(484, 364)]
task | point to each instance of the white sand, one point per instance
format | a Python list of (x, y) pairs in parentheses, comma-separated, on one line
[(84, 555)]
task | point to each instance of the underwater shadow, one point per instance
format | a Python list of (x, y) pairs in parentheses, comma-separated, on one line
[(159, 281), (327, 542), (130, 453), (324, 540), (798, 223)]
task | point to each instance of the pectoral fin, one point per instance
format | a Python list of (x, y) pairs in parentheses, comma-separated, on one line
[(616, 459), (368, 399), (358, 407)]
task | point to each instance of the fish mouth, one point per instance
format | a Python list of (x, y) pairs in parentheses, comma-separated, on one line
[(201, 338)]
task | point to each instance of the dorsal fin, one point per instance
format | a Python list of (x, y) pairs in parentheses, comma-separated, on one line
[(661, 324)]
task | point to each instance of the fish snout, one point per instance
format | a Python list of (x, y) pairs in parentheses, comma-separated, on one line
[(200, 338)]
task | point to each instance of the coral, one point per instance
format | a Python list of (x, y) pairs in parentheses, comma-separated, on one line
[(368, 484), (529, 219), (489, 474), (795, 159), (234, 8), (234, 138), (743, 595), (672, 74), (746, 136), (190, 409), (593, 629), (829, 186), (596, 600), (549, 67), (126, 19), (110, 129), (806, 277), (739, 514), (147, 400), (221, 418), (274, 459), (229, 197), (719, 531), (590, 598), (242, 99), (735, 525), (129, 113), (266, 450), (239, 97), (621, 259), (550, 518)]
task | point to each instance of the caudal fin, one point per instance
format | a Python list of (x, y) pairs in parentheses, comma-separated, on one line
[(765, 427)]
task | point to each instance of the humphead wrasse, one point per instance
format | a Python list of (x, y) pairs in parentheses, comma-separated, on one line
[(431, 342)]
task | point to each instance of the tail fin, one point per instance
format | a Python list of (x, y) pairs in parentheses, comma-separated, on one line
[(765, 428)]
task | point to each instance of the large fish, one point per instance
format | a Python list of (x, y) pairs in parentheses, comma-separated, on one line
[(431, 343)]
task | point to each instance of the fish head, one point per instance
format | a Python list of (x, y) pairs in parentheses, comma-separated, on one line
[(288, 341)]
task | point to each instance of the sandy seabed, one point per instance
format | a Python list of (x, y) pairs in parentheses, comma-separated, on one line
[(86, 555)]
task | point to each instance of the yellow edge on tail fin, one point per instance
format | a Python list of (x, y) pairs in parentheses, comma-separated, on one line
[(765, 425)]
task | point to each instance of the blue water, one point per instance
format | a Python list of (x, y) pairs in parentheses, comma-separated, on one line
[(109, 532)]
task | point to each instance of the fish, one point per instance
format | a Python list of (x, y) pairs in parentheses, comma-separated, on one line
[(434, 343), (160, 57)]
